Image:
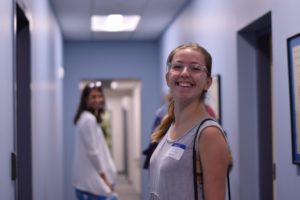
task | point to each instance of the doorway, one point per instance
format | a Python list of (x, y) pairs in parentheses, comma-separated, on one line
[(22, 107), (123, 102), (255, 110)]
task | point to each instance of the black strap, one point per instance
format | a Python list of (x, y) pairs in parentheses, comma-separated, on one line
[(228, 185), (148, 153), (194, 160), (195, 165)]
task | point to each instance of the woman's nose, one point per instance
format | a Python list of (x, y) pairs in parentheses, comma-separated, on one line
[(185, 71)]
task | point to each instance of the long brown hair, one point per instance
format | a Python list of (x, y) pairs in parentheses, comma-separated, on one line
[(161, 130), (83, 105)]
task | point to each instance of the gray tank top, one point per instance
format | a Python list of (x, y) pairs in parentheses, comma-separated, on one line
[(171, 166)]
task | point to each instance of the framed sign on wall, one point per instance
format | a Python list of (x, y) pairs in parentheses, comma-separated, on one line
[(293, 52)]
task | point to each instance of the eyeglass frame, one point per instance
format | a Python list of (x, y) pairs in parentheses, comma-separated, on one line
[(193, 68)]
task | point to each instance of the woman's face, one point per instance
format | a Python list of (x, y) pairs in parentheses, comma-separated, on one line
[(95, 100), (187, 75)]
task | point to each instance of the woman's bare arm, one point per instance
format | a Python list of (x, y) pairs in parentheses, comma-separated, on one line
[(214, 157)]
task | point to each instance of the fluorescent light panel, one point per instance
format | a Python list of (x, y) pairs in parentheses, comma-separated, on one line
[(114, 23)]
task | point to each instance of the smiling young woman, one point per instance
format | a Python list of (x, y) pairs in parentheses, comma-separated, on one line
[(188, 126)]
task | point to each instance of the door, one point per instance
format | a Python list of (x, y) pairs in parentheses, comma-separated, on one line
[(255, 110), (22, 97), (265, 137)]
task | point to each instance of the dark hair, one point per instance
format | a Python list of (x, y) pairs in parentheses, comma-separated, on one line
[(169, 117), (82, 104)]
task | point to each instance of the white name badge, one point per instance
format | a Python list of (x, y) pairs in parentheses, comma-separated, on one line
[(176, 151)]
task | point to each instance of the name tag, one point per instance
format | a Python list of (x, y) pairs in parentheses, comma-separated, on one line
[(176, 151)]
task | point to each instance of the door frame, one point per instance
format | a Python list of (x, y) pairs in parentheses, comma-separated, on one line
[(250, 58)]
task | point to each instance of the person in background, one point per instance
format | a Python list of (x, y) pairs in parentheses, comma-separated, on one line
[(171, 170), (94, 171), (161, 112), (159, 115)]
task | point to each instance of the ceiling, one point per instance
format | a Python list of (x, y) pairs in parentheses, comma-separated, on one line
[(156, 15)]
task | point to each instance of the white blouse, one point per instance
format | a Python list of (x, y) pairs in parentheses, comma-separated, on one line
[(91, 157)]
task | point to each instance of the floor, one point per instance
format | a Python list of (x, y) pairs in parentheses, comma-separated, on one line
[(125, 190)]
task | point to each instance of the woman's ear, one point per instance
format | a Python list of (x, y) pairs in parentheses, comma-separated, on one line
[(208, 83), (167, 78)]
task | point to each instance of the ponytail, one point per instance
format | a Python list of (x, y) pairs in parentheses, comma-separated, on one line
[(161, 130)]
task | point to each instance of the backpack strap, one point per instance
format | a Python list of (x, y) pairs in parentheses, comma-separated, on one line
[(197, 166), (194, 160)]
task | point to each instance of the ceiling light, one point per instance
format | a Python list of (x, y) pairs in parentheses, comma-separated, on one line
[(114, 23)]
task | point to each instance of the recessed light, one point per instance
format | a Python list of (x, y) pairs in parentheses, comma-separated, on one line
[(114, 22)]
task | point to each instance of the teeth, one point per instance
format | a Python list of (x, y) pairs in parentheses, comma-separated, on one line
[(184, 84)]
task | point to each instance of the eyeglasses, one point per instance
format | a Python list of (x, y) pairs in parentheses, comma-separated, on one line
[(193, 68)]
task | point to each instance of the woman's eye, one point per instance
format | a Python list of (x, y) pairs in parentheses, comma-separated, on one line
[(177, 66), (196, 68)]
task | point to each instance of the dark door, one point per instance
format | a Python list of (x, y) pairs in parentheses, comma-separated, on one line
[(265, 115), (23, 108)]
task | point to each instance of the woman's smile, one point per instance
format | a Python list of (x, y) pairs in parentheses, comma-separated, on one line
[(185, 84)]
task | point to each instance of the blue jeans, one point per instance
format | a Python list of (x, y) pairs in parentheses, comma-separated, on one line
[(81, 195)]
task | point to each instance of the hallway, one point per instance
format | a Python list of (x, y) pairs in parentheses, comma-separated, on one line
[(125, 189), (37, 132)]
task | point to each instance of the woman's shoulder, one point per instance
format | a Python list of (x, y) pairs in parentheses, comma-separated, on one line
[(211, 127), (212, 124), (86, 116)]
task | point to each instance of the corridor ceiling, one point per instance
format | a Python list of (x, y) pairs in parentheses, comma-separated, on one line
[(74, 17)]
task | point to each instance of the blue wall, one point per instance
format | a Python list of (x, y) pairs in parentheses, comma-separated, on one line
[(6, 99), (106, 60), (215, 24), (46, 96), (285, 18)]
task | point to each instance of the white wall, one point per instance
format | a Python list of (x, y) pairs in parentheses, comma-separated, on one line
[(132, 104), (115, 107), (6, 99), (127, 100), (214, 24), (46, 100), (137, 139)]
